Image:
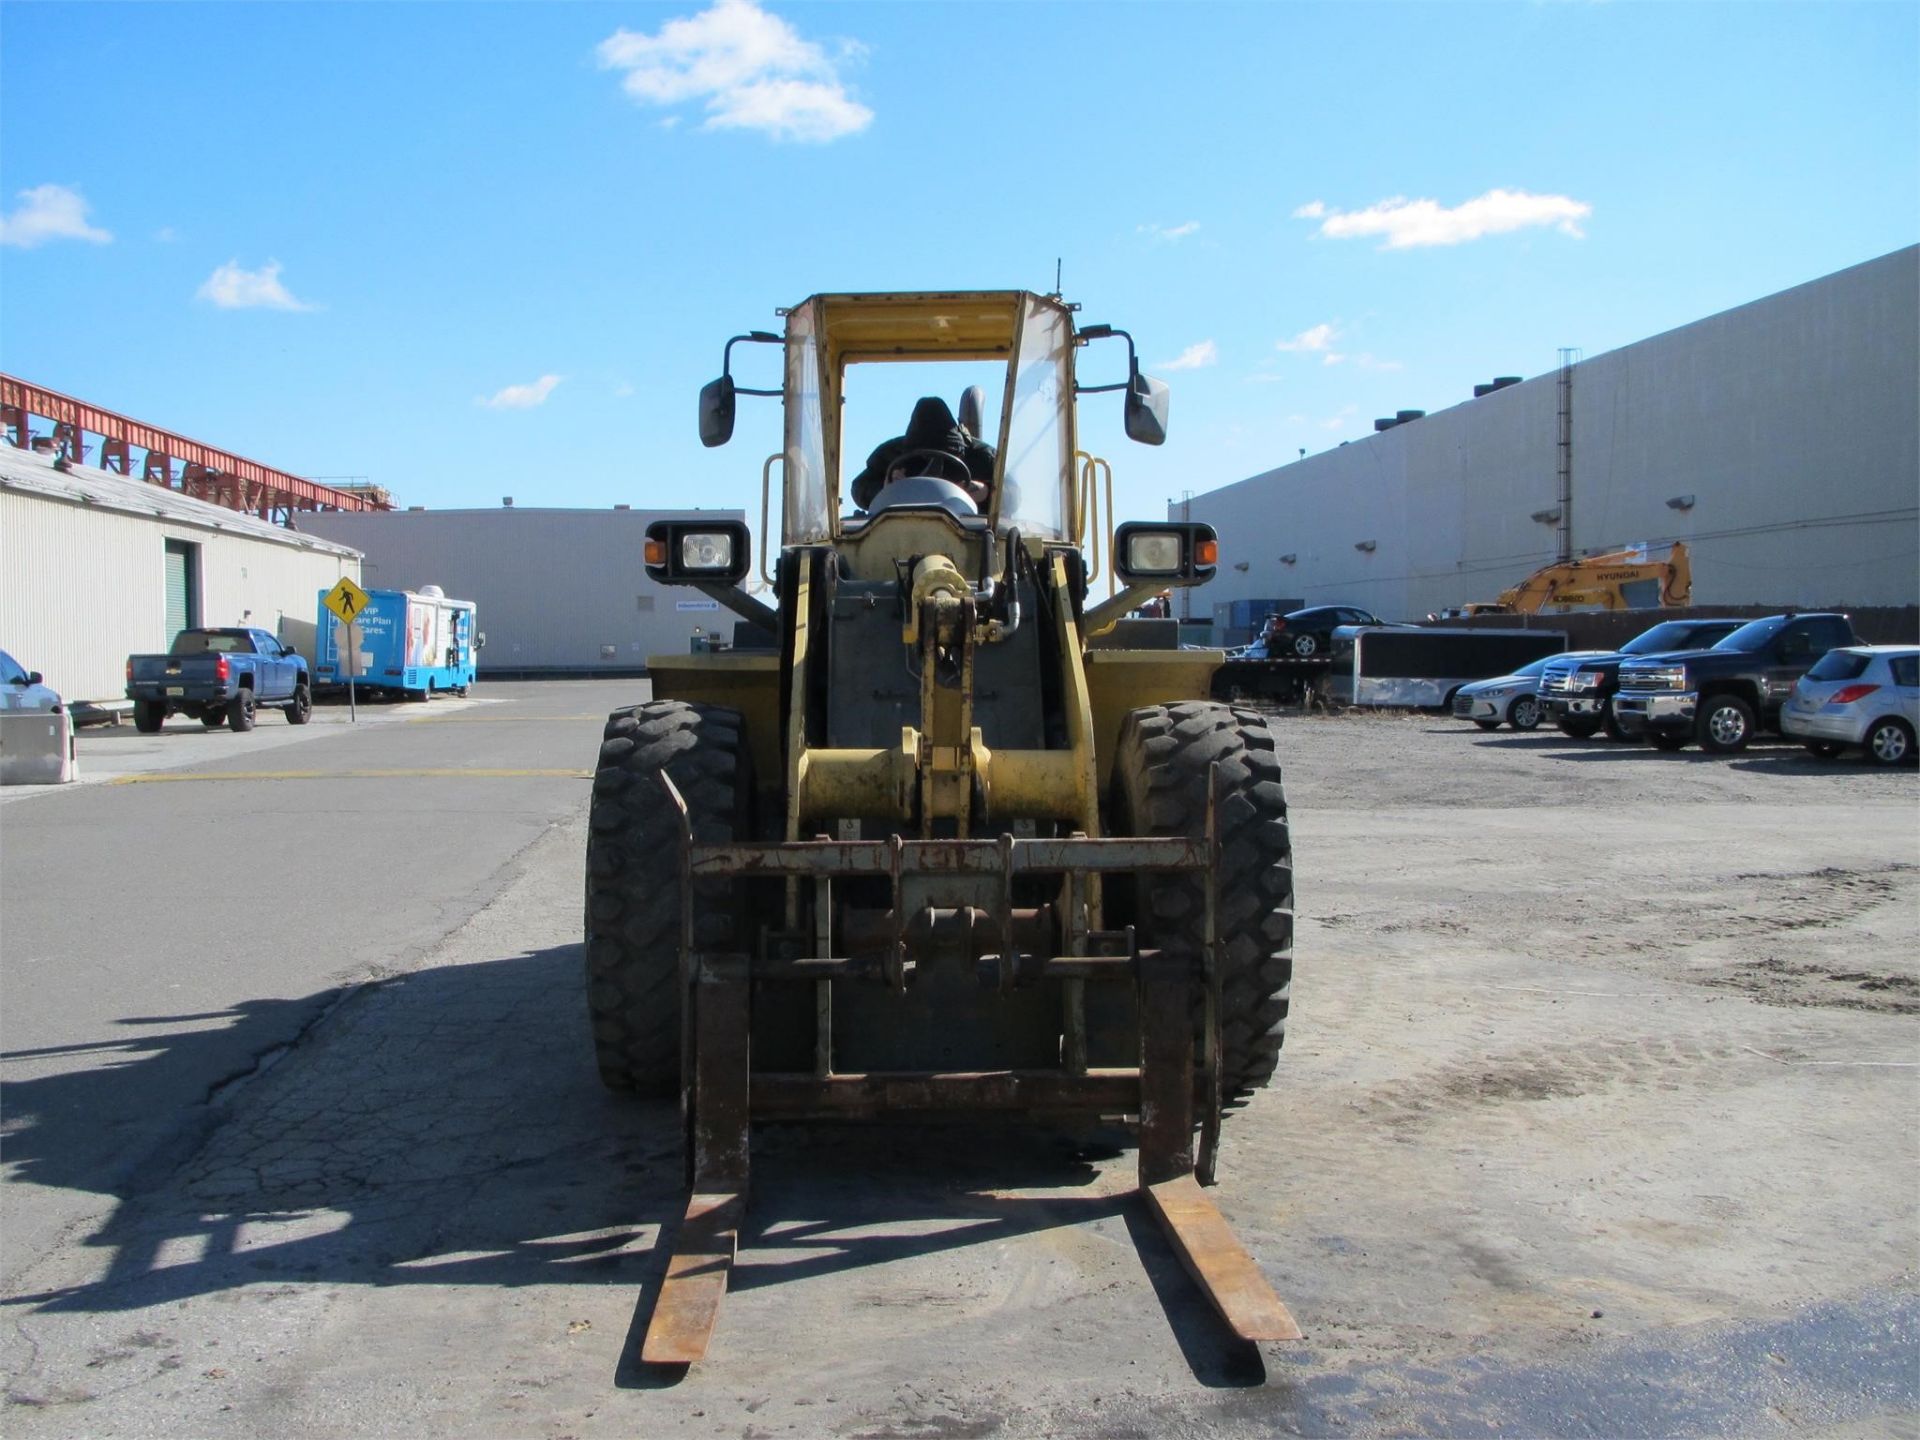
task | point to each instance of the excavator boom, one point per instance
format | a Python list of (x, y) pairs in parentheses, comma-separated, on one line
[(1617, 580)]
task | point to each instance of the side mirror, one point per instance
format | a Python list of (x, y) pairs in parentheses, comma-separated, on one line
[(480, 641), (1146, 409), (716, 411), (34, 677)]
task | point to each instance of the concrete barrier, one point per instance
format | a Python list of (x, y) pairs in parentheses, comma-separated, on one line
[(36, 748)]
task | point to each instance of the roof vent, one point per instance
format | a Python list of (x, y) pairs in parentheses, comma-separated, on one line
[(1501, 382), (1380, 425), (1401, 417)]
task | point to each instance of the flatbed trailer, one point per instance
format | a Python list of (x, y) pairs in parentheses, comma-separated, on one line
[(1285, 679)]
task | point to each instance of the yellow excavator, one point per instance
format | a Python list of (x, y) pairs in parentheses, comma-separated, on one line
[(1617, 580)]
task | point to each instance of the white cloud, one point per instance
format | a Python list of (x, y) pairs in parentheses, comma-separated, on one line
[(1168, 232), (521, 397), (622, 390), (1317, 338), (1408, 224), (49, 212), (1194, 357), (1341, 418), (166, 235), (232, 288), (751, 69)]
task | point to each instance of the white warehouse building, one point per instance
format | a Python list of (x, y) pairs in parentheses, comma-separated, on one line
[(96, 566), (556, 591), (1777, 439)]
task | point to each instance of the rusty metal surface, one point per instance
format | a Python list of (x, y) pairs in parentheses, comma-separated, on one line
[(1166, 1065), (689, 1305), (795, 1096), (1218, 1262), (949, 857)]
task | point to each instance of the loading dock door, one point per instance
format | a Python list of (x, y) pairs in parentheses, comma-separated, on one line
[(183, 591)]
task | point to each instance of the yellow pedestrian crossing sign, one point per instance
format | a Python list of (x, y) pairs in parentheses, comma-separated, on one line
[(346, 600)]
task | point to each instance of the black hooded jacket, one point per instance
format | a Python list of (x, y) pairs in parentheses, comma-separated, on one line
[(931, 427)]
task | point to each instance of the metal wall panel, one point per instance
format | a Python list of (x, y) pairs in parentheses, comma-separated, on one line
[(81, 588), (1790, 424), (555, 590)]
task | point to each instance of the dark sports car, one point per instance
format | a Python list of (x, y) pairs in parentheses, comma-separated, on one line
[(1309, 632)]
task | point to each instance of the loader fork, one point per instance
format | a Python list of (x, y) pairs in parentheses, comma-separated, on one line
[(721, 1093)]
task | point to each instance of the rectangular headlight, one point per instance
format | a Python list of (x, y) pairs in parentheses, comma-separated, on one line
[(698, 552), (1153, 553), (706, 550)]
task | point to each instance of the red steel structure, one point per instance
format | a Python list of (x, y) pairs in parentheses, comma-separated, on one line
[(206, 473)]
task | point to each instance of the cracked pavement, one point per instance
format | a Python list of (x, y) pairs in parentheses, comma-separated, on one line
[(1594, 1120)]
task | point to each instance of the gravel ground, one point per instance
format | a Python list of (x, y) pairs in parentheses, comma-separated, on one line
[(1597, 1118)]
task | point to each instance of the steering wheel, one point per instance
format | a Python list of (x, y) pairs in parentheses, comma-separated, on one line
[(906, 463)]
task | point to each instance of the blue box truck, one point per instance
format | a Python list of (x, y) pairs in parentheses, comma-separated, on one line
[(414, 644)]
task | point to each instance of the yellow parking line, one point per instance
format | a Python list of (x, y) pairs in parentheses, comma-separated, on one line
[(507, 719), (174, 777)]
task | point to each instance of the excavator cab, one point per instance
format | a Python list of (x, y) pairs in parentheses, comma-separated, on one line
[(934, 848)]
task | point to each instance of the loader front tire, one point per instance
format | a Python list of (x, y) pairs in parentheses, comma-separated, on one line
[(1160, 789), (634, 891)]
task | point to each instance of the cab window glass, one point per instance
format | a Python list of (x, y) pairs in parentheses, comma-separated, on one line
[(1906, 669), (807, 480), (1034, 469), (10, 671)]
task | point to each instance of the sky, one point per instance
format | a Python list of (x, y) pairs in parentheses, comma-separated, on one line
[(470, 251)]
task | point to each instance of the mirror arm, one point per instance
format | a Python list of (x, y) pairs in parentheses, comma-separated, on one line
[(1101, 332), (757, 337)]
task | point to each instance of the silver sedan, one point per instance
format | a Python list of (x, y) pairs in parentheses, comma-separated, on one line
[(1508, 699), (1860, 695)]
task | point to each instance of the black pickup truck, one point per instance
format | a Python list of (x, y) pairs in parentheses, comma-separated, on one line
[(219, 677), (1577, 694), (1723, 696)]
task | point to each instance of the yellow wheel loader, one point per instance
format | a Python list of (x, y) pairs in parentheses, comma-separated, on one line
[(927, 848)]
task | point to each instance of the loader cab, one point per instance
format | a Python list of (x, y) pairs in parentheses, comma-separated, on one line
[(855, 365)]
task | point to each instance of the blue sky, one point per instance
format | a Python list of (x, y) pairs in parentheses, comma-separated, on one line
[(469, 251)]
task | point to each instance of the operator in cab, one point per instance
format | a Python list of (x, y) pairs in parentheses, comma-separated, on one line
[(934, 444)]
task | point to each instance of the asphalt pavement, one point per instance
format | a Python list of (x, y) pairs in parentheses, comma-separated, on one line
[(177, 921)]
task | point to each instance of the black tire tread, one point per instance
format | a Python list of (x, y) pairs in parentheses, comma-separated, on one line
[(1161, 770), (633, 889)]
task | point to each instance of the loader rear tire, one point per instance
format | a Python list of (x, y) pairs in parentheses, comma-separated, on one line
[(634, 888), (1160, 789)]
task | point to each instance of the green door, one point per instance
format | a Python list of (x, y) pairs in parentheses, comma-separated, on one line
[(183, 598)]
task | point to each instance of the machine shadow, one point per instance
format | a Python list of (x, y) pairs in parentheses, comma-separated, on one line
[(446, 1127), (832, 1199), (443, 1126)]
